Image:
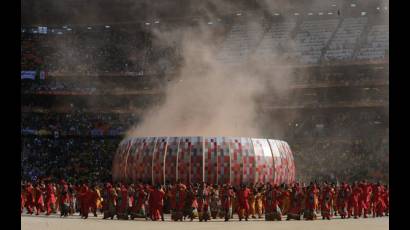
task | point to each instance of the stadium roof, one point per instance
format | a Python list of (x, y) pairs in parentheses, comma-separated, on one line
[(60, 12)]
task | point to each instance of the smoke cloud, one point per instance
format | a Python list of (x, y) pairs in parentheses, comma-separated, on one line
[(209, 97)]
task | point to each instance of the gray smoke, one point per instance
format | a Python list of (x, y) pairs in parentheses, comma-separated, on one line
[(209, 97)]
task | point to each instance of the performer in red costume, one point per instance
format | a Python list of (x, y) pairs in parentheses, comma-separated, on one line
[(312, 196), (94, 196), (84, 197), (354, 201), (123, 203), (386, 199), (109, 201), (272, 201), (156, 203), (380, 205), (178, 199), (296, 199), (364, 198), (243, 204), (64, 199), (334, 200), (284, 202), (226, 201), (202, 197), (38, 199), (343, 199), (138, 205), (22, 201), (50, 199), (326, 201)]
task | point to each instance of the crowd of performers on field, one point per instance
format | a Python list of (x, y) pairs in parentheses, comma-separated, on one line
[(273, 202)]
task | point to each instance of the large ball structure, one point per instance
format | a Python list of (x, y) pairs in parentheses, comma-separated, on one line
[(193, 159)]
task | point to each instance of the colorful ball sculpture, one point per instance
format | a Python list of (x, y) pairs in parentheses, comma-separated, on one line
[(215, 160)]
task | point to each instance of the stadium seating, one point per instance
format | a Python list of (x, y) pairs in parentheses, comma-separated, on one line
[(311, 38), (275, 40), (343, 44), (377, 43)]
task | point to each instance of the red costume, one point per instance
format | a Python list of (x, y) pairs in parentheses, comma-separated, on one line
[(296, 200), (310, 205), (84, 198), (386, 200), (343, 199), (21, 202), (64, 200), (243, 204), (354, 202), (226, 202), (379, 204), (364, 199), (178, 199), (202, 198), (326, 202), (123, 202), (156, 203), (50, 199), (93, 201), (38, 200), (138, 204), (109, 202), (272, 202), (284, 202), (29, 199)]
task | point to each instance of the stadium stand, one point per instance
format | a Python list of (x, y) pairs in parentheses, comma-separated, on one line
[(343, 44), (377, 43), (98, 78)]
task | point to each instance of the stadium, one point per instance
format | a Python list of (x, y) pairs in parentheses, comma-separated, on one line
[(96, 74)]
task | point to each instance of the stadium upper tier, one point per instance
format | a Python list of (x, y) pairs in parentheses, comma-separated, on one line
[(308, 42), (132, 48)]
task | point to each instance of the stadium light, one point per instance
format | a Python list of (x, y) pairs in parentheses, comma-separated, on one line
[(333, 5), (320, 13), (330, 13), (352, 5), (310, 14), (210, 23), (296, 14), (238, 14), (89, 27), (107, 27), (69, 29), (378, 8), (363, 13), (147, 23), (276, 14), (156, 22)]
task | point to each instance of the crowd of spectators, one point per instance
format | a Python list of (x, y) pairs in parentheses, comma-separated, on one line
[(97, 50), (348, 145), (349, 160), (76, 124), (71, 158), (87, 86), (338, 124), (31, 59)]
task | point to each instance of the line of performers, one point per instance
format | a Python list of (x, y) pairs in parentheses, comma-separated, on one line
[(273, 202)]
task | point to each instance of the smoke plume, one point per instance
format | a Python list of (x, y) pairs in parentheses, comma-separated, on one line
[(209, 97)]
